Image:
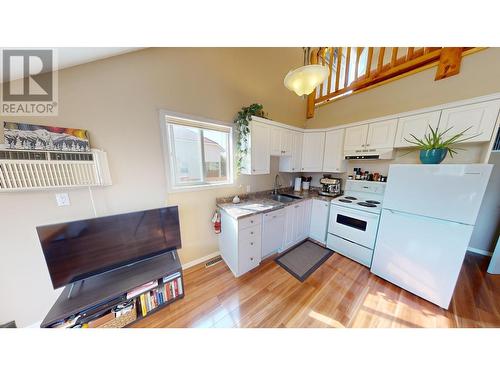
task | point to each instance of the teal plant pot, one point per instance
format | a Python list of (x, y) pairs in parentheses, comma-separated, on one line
[(434, 156)]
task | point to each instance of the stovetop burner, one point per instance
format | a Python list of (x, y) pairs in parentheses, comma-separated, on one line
[(365, 204), (351, 198), (345, 200), (372, 202)]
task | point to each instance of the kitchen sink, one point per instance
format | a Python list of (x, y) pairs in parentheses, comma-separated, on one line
[(284, 198)]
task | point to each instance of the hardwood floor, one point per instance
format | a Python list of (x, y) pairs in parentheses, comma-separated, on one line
[(340, 293)]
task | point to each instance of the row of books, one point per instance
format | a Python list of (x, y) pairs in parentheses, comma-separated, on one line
[(158, 296)]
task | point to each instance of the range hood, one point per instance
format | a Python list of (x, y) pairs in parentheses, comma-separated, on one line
[(370, 154)]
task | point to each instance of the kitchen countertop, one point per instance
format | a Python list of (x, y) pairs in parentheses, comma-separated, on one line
[(259, 202)]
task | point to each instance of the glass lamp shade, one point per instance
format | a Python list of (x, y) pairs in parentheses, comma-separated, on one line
[(305, 79)]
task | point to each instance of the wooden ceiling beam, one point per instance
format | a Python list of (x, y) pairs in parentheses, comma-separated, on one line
[(449, 62)]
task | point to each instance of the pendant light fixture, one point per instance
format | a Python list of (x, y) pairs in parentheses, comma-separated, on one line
[(305, 79)]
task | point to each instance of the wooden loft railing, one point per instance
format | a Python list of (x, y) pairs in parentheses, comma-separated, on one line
[(357, 68)]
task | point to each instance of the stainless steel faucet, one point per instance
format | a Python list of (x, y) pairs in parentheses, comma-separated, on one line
[(276, 184)]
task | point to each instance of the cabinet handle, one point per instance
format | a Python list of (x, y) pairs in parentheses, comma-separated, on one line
[(367, 145), (251, 258), (251, 243), (253, 170), (251, 232)]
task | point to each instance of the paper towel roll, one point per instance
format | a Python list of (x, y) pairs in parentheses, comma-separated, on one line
[(298, 182)]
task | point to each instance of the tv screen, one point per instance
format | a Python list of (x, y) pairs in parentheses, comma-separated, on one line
[(80, 249)]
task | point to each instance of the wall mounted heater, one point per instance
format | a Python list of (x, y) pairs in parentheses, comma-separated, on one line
[(28, 170)]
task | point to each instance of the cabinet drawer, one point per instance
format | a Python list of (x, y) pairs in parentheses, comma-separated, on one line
[(349, 249), (249, 221), (249, 249)]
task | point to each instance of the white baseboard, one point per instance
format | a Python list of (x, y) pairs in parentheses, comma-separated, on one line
[(479, 251), (187, 265)]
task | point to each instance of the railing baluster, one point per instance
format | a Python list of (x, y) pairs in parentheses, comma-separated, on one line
[(394, 56), (347, 63), (330, 64), (359, 50), (338, 67), (369, 62), (322, 53), (381, 54), (409, 53)]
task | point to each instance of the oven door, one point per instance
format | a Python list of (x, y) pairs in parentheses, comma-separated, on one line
[(354, 225)]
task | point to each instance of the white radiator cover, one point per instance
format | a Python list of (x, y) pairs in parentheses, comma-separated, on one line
[(25, 175)]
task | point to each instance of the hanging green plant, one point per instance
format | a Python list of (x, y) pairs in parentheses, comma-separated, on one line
[(243, 118)]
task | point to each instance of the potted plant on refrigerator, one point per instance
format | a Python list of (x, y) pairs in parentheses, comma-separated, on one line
[(434, 147)]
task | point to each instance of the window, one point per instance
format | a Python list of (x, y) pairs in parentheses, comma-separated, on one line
[(200, 153)]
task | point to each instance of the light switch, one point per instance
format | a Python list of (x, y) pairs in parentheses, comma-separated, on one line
[(62, 199)]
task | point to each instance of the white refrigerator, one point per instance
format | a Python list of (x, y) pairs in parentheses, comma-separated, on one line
[(428, 215)]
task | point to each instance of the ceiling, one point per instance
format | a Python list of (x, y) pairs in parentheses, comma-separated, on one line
[(71, 56)]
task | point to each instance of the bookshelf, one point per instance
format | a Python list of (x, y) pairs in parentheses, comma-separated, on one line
[(113, 299)]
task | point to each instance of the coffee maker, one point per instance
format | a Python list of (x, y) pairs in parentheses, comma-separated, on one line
[(330, 186)]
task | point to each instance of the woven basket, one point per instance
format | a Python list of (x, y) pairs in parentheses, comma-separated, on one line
[(122, 320)]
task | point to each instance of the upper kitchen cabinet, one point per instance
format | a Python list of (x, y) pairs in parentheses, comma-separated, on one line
[(313, 147), (418, 125), (258, 158), (381, 134), (291, 161), (481, 117), (355, 137), (377, 135), (333, 160), (280, 141)]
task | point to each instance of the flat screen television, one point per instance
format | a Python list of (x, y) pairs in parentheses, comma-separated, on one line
[(80, 249)]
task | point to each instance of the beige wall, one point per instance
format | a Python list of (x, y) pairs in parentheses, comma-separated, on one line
[(479, 75), (117, 100)]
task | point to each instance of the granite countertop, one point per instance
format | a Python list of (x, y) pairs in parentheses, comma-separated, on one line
[(259, 202)]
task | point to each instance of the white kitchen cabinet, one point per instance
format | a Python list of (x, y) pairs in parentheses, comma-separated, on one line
[(481, 117), (275, 134), (273, 229), (333, 160), (292, 163), (288, 238), (377, 135), (355, 137), (298, 217), (306, 221), (287, 142), (319, 220), (313, 148), (240, 242), (381, 134), (297, 223), (258, 158), (418, 125)]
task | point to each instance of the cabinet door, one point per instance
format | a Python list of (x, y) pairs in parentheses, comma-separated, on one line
[(481, 117), (333, 160), (381, 134), (286, 142), (275, 134), (313, 148), (298, 222), (296, 151), (259, 149), (289, 227), (306, 222), (355, 137), (418, 125), (273, 232), (319, 220)]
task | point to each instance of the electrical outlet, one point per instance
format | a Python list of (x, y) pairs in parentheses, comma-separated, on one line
[(62, 199)]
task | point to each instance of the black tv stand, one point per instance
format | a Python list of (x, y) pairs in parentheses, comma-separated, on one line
[(99, 294)]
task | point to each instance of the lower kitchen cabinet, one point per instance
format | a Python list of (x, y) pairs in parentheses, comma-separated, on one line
[(297, 221), (273, 230), (240, 242), (319, 220)]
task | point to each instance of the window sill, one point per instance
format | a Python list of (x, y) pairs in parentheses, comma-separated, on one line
[(186, 189)]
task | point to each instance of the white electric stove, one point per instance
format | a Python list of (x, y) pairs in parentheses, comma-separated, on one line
[(354, 219)]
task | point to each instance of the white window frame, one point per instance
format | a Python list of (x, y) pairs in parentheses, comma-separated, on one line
[(168, 149)]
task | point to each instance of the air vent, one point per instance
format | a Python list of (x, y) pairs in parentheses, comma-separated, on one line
[(496, 145), (213, 261), (28, 170)]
